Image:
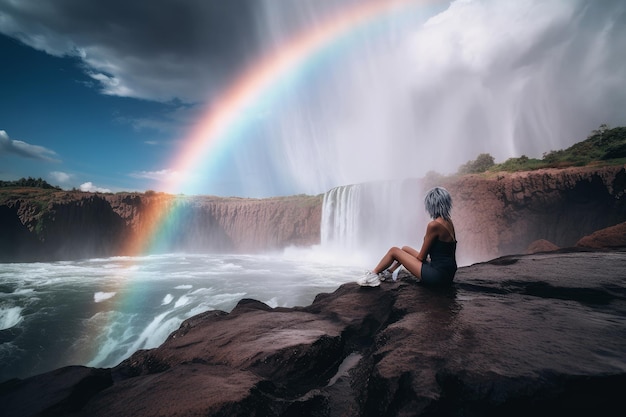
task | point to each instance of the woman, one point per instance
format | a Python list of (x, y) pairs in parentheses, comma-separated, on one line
[(439, 244)]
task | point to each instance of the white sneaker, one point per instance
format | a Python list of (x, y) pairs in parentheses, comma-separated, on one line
[(370, 279)]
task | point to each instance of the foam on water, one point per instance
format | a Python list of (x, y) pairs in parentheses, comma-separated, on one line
[(10, 317), (273, 302), (97, 312), (167, 299), (184, 300), (113, 330), (154, 333), (102, 296)]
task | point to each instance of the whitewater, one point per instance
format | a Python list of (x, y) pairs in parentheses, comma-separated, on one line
[(97, 312)]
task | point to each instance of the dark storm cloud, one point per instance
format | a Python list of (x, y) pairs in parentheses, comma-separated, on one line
[(166, 49), (158, 50)]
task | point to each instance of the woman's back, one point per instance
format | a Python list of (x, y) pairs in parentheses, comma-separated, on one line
[(443, 251)]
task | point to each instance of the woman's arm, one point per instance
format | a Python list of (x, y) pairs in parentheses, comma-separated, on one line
[(432, 231)]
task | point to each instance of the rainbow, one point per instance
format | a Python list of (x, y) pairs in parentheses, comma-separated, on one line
[(223, 119), (260, 81)]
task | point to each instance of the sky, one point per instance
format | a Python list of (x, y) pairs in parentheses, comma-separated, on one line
[(106, 95)]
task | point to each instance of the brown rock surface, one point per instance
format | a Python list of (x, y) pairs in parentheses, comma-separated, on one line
[(611, 237), (74, 225), (495, 214), (537, 335), (503, 213), (541, 245), (206, 223)]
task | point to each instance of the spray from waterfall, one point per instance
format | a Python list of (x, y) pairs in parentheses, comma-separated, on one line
[(390, 96), (361, 221), (433, 87), (429, 92)]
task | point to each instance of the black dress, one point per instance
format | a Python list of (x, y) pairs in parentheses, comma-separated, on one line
[(442, 266)]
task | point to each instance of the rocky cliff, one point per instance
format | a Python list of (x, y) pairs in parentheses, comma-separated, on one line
[(38, 225), (540, 335), (224, 224), (495, 214), (504, 213)]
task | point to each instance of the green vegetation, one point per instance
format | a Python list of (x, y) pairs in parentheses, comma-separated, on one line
[(603, 146), (523, 163), (36, 190), (482, 163), (29, 182)]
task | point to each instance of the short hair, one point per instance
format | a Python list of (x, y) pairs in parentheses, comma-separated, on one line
[(438, 203)]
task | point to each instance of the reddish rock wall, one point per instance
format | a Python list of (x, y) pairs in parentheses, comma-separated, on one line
[(611, 237), (215, 223), (499, 214), (495, 214), (78, 225)]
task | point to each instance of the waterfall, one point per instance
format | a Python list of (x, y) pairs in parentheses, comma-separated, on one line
[(340, 214), (364, 220)]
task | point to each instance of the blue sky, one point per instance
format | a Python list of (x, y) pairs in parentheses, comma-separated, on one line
[(62, 116), (101, 95), (72, 133)]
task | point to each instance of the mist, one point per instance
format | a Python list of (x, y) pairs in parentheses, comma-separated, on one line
[(433, 89)]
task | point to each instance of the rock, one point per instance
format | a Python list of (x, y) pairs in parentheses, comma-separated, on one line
[(56, 393), (541, 245), (219, 224), (503, 213), (611, 237), (539, 334), (63, 225), (495, 214)]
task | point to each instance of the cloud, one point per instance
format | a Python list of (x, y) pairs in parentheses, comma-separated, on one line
[(91, 188), (25, 150), (509, 77), (60, 177), (163, 175), (158, 50), (520, 76), (169, 121)]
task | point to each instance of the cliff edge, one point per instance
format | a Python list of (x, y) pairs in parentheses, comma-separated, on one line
[(495, 214), (39, 225), (499, 214)]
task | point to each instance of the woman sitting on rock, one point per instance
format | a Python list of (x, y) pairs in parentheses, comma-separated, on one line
[(439, 245)]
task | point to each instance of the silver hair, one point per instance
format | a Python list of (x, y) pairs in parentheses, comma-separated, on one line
[(438, 203)]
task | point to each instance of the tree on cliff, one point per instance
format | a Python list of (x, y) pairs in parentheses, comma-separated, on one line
[(603, 144), (29, 182), (482, 163)]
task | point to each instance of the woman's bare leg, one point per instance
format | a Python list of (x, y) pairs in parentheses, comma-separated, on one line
[(390, 262), (403, 257), (411, 251), (395, 265)]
